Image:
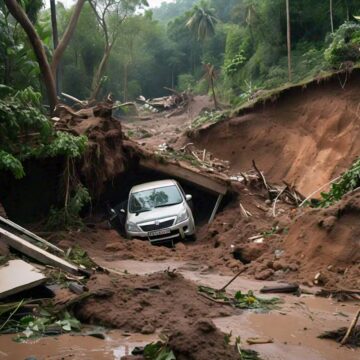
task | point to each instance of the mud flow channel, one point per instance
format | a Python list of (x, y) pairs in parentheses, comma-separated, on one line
[(115, 345), (294, 326)]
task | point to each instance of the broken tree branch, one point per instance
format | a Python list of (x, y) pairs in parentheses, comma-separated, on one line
[(233, 279), (351, 328)]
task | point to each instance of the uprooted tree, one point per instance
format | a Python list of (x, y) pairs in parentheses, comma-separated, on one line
[(47, 70)]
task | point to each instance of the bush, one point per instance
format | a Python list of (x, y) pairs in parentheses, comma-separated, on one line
[(349, 181), (186, 82), (345, 45), (26, 132)]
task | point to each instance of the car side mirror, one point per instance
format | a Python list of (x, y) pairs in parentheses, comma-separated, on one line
[(188, 197)]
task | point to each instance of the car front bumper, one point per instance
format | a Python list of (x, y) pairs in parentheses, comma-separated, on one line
[(183, 229)]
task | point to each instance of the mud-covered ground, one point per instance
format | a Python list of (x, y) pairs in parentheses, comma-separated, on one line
[(154, 289)]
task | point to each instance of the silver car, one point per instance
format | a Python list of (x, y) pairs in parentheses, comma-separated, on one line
[(159, 211)]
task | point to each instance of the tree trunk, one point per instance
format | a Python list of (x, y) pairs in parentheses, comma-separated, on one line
[(60, 49), (331, 16), (288, 38), (126, 65), (55, 38), (96, 83), (213, 93), (19, 14)]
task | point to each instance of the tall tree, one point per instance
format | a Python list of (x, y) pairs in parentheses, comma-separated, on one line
[(66, 37), (110, 14), (20, 16), (288, 38), (331, 16), (202, 21), (48, 71), (202, 24), (210, 75)]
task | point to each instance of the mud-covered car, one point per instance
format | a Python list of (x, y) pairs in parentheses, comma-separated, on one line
[(159, 211)]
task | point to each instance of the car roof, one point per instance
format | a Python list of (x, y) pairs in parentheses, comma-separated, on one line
[(153, 185)]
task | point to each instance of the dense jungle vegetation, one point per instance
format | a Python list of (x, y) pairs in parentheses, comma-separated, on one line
[(123, 47)]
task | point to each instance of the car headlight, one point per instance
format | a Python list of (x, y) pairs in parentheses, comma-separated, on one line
[(182, 216), (132, 227)]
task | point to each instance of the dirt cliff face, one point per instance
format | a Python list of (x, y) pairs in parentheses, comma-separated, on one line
[(308, 136)]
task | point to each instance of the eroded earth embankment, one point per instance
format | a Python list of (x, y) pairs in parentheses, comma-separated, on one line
[(308, 136)]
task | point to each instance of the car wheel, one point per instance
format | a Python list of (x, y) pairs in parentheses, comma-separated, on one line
[(191, 238)]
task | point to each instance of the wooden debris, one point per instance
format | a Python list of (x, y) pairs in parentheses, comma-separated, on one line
[(27, 235), (350, 329), (287, 193), (340, 294), (286, 288), (175, 100), (232, 279), (37, 253), (259, 340), (244, 211)]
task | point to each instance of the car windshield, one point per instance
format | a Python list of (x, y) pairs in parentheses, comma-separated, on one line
[(154, 198)]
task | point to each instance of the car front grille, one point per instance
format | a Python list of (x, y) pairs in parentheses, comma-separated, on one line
[(161, 225)]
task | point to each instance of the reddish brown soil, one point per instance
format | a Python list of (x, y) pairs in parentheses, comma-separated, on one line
[(201, 341), (104, 158), (160, 129), (146, 303), (307, 137)]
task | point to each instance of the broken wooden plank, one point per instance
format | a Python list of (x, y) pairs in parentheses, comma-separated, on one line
[(36, 253), (281, 288), (203, 181), (29, 234), (18, 276)]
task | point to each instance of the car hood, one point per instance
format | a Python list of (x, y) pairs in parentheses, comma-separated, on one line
[(156, 214)]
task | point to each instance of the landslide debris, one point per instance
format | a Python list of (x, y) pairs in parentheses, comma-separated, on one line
[(146, 303), (104, 158)]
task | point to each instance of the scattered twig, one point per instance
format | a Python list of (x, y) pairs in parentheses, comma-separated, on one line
[(317, 190), (233, 279), (351, 328)]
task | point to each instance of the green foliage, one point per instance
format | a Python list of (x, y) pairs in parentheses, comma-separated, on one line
[(10, 163), (345, 45), (158, 351), (234, 65), (240, 300), (186, 82), (68, 217), (349, 181), (38, 324), (26, 132), (208, 117), (63, 144), (79, 256), (202, 21)]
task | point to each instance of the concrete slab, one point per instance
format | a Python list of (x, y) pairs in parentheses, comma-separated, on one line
[(17, 276)]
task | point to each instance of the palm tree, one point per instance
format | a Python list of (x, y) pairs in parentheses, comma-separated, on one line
[(288, 38), (202, 24), (202, 21)]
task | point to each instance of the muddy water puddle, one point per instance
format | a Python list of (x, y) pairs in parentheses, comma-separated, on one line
[(294, 327), (73, 347)]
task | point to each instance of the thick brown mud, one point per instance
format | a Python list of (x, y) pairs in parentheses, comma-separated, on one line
[(294, 326)]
